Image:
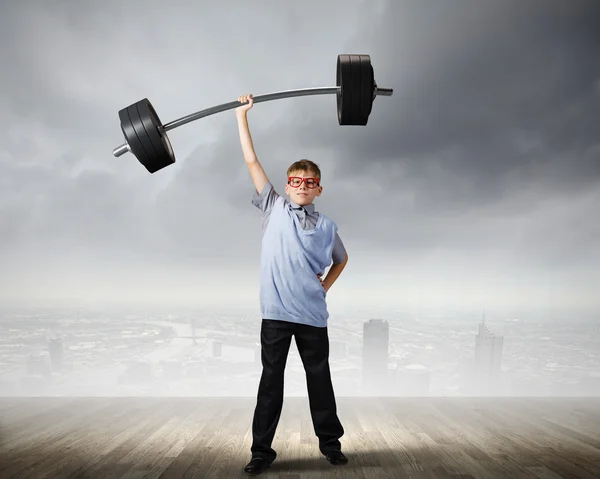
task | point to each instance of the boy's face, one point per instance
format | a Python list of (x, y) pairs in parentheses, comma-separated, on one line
[(303, 194)]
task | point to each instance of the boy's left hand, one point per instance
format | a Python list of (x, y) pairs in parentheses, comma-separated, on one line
[(322, 282)]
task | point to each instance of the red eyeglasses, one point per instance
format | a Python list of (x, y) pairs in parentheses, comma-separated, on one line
[(296, 181)]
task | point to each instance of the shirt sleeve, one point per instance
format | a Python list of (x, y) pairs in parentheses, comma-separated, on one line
[(339, 251), (265, 200)]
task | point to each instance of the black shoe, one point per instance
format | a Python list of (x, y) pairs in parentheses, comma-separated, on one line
[(256, 466), (336, 457)]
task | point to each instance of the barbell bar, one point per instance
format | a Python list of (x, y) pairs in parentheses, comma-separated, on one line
[(146, 137)]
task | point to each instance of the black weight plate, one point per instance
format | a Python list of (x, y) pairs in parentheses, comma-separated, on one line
[(356, 84), (152, 124), (356, 79), (156, 162), (362, 89), (366, 89), (131, 136), (136, 121), (346, 73), (372, 87), (165, 142), (338, 82), (344, 96)]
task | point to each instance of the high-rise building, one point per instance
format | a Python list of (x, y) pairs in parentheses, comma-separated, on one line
[(488, 359), (376, 336)]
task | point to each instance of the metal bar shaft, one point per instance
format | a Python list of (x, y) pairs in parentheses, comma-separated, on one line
[(384, 91), (257, 99)]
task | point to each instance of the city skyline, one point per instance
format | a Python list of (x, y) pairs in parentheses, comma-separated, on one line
[(394, 355)]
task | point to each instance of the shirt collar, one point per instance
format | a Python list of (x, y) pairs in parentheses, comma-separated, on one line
[(310, 209)]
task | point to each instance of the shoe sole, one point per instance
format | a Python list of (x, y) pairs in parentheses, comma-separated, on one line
[(257, 473), (341, 463)]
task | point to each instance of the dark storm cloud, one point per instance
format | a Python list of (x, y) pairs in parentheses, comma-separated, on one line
[(490, 92)]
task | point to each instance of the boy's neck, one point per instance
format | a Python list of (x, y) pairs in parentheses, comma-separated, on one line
[(298, 205)]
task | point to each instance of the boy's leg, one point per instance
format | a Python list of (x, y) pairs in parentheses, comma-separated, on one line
[(275, 338), (313, 346)]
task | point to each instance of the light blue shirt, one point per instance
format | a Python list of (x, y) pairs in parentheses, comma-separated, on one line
[(292, 256)]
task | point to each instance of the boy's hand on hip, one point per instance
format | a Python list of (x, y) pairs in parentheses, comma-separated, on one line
[(322, 282)]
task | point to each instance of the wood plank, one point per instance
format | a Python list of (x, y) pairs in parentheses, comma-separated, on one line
[(157, 438)]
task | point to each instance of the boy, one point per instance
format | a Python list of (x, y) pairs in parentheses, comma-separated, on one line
[(298, 244)]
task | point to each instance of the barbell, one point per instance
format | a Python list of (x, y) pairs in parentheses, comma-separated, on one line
[(145, 135)]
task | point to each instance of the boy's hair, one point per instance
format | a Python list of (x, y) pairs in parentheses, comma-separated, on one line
[(305, 165)]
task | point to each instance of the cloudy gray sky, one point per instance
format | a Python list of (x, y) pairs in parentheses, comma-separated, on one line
[(476, 184)]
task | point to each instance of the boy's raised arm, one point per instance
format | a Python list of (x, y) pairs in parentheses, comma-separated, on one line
[(257, 172)]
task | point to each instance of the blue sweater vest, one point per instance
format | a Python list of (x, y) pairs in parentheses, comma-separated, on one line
[(290, 261)]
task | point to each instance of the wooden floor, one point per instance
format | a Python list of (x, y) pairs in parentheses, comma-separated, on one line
[(387, 437)]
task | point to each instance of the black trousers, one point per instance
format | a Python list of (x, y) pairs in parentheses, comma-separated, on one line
[(313, 346)]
